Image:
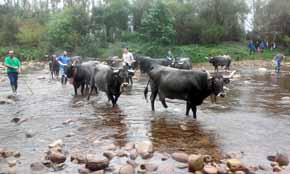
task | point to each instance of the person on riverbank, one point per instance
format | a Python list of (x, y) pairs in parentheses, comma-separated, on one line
[(13, 66), (63, 61), (277, 60), (252, 47), (128, 58)]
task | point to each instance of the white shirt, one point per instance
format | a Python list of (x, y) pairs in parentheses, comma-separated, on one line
[(128, 58)]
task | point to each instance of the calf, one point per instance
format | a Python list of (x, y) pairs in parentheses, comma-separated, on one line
[(224, 60)]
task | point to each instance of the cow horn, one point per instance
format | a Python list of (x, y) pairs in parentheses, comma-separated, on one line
[(116, 70), (208, 75), (231, 75)]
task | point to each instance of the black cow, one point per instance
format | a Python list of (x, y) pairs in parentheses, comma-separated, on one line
[(80, 74), (181, 63), (53, 66), (188, 85), (145, 63), (110, 81), (224, 60)]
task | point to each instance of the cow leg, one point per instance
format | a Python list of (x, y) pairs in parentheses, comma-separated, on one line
[(162, 99), (213, 98), (131, 80), (90, 93), (82, 89), (116, 98), (187, 108), (152, 99), (76, 89), (193, 108)]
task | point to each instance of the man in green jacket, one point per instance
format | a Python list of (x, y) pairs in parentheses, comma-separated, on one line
[(13, 65)]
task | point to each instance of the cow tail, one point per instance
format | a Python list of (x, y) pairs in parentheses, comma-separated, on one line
[(146, 90)]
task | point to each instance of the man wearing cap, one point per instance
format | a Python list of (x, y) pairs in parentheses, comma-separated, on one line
[(13, 65)]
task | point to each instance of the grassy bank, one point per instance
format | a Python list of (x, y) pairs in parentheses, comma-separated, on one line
[(197, 53)]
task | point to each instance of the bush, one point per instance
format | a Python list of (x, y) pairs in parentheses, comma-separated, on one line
[(212, 34)]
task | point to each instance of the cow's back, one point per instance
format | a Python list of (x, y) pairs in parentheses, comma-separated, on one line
[(179, 84), (102, 76)]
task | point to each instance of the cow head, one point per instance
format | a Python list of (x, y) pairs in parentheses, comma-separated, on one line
[(71, 71), (121, 78), (217, 82)]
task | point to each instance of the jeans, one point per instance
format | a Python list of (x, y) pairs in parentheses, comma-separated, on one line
[(13, 77)]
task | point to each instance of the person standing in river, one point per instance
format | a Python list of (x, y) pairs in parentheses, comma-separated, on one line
[(278, 59), (13, 66), (128, 58)]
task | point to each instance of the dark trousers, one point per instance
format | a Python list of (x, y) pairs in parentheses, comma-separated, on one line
[(13, 77)]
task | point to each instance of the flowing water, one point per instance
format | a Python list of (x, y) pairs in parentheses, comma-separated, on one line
[(253, 119)]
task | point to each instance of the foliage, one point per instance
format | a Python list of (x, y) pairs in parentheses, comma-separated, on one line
[(30, 33), (157, 24)]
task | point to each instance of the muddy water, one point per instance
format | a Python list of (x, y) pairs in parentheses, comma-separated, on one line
[(253, 119)]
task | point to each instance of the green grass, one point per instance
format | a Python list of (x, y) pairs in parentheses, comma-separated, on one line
[(197, 53)]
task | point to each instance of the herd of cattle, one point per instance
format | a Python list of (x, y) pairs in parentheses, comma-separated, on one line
[(168, 78)]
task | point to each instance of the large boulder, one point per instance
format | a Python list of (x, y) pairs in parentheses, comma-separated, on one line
[(195, 163), (96, 162)]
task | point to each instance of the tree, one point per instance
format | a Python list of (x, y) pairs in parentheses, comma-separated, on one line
[(67, 27), (158, 24)]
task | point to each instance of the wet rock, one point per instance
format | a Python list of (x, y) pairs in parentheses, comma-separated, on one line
[(165, 157), (273, 164), (57, 143), (37, 166), (148, 167), (6, 101), (195, 163), (282, 159), (235, 165), (127, 169), (166, 169), (132, 163), (133, 154), (208, 169), (11, 163), (181, 165), (84, 171), (207, 159), (129, 146), (70, 135), (262, 167), (56, 157), (47, 163), (180, 157), (222, 169), (144, 149), (109, 154), (11, 170), (198, 172), (277, 169), (240, 172), (78, 158), (29, 134), (122, 153), (66, 122), (111, 147), (16, 154), (95, 163), (41, 77)]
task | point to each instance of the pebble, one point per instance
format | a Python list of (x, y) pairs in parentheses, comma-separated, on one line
[(180, 157), (127, 169), (95, 163), (195, 163)]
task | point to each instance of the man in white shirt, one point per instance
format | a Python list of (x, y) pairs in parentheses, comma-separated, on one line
[(128, 58)]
